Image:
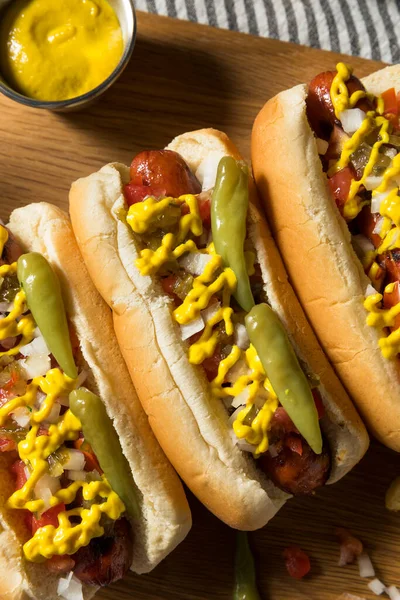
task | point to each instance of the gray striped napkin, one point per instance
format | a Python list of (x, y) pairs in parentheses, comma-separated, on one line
[(368, 28)]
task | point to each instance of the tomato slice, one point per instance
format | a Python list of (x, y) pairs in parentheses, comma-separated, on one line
[(390, 100), (18, 469), (60, 564), (340, 185), (168, 284), (205, 210), (391, 299), (365, 224), (7, 444), (137, 193), (297, 562), (91, 464), (49, 517)]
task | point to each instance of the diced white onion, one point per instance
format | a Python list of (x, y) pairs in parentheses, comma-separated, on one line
[(370, 290), (273, 451), (37, 346), (377, 587), (81, 378), (393, 592), (378, 226), (207, 170), (5, 307), (63, 400), (352, 119), (365, 565), (233, 416), (54, 413), (377, 200), (241, 336), (191, 328), (322, 146), (34, 366), (195, 262), (363, 243), (371, 182), (76, 475), (46, 487), (75, 460), (22, 416), (37, 333), (390, 152), (210, 311), (70, 588), (241, 398), (245, 446), (27, 472)]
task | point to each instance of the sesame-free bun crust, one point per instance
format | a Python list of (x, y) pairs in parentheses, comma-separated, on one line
[(316, 246), (165, 518), (191, 425)]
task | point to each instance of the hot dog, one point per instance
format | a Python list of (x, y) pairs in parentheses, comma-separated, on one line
[(238, 393), (86, 492), (335, 215)]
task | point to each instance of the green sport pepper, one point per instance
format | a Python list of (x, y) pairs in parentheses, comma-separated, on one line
[(245, 577), (230, 201), (280, 363), (99, 432), (44, 300)]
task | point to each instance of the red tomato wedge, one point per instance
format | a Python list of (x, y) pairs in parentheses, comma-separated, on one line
[(297, 562), (340, 185), (91, 463), (49, 517), (60, 564), (7, 444), (18, 469), (390, 100)]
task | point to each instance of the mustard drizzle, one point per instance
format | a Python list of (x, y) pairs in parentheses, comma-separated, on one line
[(35, 449), (215, 279)]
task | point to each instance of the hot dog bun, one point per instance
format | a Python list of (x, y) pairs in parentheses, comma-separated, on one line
[(315, 243), (190, 425), (165, 513)]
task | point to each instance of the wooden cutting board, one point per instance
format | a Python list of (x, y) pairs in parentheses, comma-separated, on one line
[(185, 76)]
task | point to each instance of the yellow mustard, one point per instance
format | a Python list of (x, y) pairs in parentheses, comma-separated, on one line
[(56, 50), (389, 207), (143, 217), (35, 449)]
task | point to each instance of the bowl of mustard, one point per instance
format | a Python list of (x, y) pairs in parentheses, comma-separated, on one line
[(63, 55)]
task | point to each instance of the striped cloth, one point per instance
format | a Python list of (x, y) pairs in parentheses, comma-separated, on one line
[(368, 28)]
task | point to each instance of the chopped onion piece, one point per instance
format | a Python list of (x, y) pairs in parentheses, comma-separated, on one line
[(195, 262), (37, 346), (22, 416), (322, 146), (352, 119), (393, 592), (233, 416), (34, 366), (75, 460), (377, 200), (370, 290), (206, 172), (363, 243), (76, 475), (272, 450), (378, 226), (54, 413), (63, 400), (46, 487), (27, 472), (191, 328), (70, 588), (210, 311), (245, 446), (365, 565), (377, 587), (372, 182), (241, 398), (241, 336), (5, 307)]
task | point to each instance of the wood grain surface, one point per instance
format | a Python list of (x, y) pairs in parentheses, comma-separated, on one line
[(184, 76)]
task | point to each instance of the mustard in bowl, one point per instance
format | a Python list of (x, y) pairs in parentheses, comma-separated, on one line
[(61, 55)]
